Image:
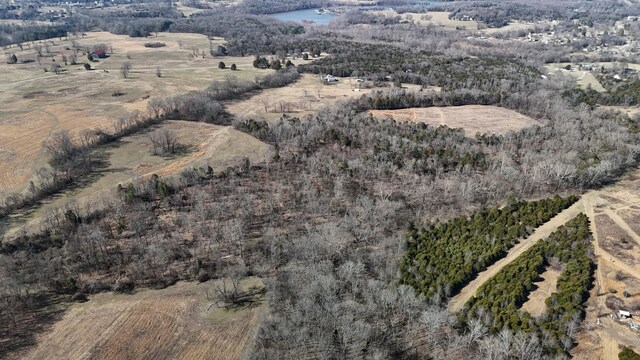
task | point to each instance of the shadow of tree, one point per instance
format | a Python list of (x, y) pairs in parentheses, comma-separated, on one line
[(22, 322)]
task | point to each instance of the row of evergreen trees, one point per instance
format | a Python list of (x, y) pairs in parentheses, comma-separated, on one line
[(499, 300), (443, 257)]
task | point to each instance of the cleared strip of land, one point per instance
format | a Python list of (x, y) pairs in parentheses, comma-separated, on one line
[(458, 301), (471, 118)]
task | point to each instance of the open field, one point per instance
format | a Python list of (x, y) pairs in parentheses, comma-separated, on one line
[(303, 97), (173, 323), (584, 79), (437, 18), (517, 26), (130, 158), (535, 304), (471, 118), (34, 103), (441, 19)]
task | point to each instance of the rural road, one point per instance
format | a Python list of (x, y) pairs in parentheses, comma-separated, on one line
[(542, 232)]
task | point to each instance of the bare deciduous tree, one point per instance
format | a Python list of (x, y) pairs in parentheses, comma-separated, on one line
[(163, 142), (125, 68)]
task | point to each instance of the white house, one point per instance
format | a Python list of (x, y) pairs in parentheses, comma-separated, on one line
[(624, 314), (330, 78)]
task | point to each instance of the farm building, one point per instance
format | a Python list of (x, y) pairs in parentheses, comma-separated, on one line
[(99, 54), (330, 78), (634, 323)]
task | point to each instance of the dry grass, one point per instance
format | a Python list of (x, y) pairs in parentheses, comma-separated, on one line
[(631, 217), (34, 103), (516, 26), (616, 240), (610, 212), (441, 19), (130, 158), (471, 118), (584, 79), (173, 323), (303, 97), (535, 304), (437, 18)]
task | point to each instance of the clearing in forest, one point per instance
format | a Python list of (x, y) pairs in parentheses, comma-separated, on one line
[(303, 97), (585, 79), (471, 118), (174, 323), (535, 305)]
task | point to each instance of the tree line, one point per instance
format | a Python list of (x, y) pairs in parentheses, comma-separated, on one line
[(442, 258), (72, 160), (498, 301)]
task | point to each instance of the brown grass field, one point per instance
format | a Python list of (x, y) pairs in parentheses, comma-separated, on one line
[(131, 158), (437, 18), (173, 323), (441, 19), (303, 97), (471, 118), (535, 304), (34, 103)]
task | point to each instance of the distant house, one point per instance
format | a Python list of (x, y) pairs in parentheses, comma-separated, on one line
[(99, 54), (330, 78)]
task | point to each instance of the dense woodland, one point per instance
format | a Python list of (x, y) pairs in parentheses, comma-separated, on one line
[(324, 221)]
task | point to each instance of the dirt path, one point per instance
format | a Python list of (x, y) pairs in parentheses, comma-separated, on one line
[(611, 333), (623, 225), (542, 232)]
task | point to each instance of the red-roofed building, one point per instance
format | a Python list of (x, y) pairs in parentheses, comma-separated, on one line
[(99, 54)]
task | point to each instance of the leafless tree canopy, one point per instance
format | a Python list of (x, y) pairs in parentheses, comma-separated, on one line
[(163, 142), (125, 69)]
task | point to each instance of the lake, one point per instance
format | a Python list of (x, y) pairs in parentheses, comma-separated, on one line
[(308, 15)]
